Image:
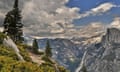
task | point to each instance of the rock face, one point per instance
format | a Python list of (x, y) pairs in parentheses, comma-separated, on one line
[(9, 42), (112, 36), (66, 52), (105, 56)]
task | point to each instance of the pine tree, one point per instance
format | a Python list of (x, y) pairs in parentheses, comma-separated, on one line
[(48, 51), (12, 23), (35, 46)]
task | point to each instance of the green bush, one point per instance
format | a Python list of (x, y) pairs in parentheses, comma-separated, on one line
[(46, 67), (46, 59), (9, 61), (9, 52), (2, 36), (7, 64), (62, 69), (24, 52)]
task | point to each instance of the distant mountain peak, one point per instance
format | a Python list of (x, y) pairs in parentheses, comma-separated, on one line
[(112, 36)]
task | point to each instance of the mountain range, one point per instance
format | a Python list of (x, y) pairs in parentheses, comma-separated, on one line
[(102, 52)]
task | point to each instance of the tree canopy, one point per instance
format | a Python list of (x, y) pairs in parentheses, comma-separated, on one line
[(48, 51), (12, 23), (35, 46)]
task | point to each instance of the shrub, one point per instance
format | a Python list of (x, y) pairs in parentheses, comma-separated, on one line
[(2, 36), (24, 52), (9, 52)]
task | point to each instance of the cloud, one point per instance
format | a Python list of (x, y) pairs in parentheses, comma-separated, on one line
[(102, 8), (43, 17), (115, 23), (50, 15), (7, 5), (92, 29), (52, 18), (2, 14)]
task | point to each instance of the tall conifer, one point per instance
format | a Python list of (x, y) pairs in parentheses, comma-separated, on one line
[(35, 46), (48, 51), (12, 23)]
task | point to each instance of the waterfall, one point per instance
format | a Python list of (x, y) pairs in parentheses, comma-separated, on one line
[(82, 62)]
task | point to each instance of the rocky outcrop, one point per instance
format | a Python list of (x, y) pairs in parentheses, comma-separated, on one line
[(105, 56), (64, 51), (101, 56), (112, 36), (9, 42)]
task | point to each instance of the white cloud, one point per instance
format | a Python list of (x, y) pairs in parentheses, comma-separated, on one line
[(116, 23), (57, 31), (50, 15), (92, 29), (53, 18), (2, 14), (103, 8)]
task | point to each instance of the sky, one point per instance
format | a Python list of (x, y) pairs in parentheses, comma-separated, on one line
[(65, 18), (86, 5)]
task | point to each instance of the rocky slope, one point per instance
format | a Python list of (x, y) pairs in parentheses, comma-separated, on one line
[(105, 56), (68, 52), (64, 51), (102, 52), (9, 42), (18, 58)]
